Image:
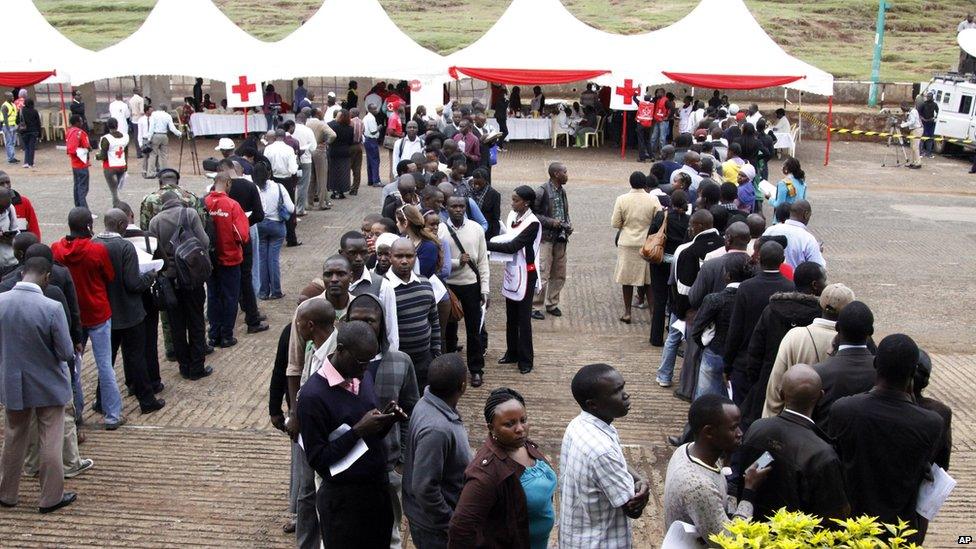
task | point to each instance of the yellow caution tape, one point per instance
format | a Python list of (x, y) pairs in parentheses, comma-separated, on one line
[(866, 133)]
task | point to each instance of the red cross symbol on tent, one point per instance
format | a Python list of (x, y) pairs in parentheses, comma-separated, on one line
[(627, 91), (243, 88)]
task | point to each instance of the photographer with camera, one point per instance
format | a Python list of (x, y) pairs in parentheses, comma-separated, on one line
[(552, 208), (272, 107), (914, 126)]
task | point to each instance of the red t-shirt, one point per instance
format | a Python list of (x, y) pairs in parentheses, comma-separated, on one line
[(25, 210), (230, 228), (91, 270), (77, 138), (661, 109)]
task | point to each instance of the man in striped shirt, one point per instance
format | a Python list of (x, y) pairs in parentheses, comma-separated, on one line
[(419, 324)]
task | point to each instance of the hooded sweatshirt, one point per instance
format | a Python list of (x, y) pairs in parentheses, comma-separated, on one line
[(230, 228), (91, 270)]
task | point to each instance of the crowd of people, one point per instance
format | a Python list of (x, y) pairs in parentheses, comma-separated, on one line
[(369, 373)]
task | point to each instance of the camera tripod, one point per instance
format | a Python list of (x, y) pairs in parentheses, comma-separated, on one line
[(896, 139), (194, 159)]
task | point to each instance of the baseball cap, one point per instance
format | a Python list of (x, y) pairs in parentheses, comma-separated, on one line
[(332, 94), (733, 108), (835, 297), (225, 144), (749, 170)]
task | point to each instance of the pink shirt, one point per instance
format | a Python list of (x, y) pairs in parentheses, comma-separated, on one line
[(333, 377)]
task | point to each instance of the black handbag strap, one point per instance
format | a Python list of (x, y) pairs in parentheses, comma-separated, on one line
[(460, 246)]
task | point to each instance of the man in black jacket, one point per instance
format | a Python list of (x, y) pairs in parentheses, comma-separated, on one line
[(488, 200), (246, 194), (851, 370), (128, 314), (750, 301), (786, 310), (551, 207), (806, 472)]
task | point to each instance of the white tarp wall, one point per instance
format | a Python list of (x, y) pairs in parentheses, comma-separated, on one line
[(33, 44)]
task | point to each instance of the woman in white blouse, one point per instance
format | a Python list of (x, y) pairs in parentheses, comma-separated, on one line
[(278, 208)]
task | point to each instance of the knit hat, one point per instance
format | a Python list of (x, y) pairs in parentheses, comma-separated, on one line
[(835, 297), (749, 171)]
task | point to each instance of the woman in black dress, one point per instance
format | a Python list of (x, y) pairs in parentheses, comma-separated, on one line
[(520, 276), (340, 159), (677, 234)]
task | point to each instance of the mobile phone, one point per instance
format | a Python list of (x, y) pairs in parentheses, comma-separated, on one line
[(764, 460)]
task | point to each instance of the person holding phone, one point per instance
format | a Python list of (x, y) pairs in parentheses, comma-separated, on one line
[(806, 474), (695, 487)]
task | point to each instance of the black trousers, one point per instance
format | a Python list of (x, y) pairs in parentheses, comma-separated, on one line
[(132, 341), (518, 326), (151, 327), (186, 322), (502, 119), (290, 237), (355, 516), (470, 297), (659, 289), (421, 363), (248, 300)]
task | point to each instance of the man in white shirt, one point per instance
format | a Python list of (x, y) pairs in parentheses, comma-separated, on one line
[(967, 23), (685, 116), (136, 109), (284, 168), (914, 126), (371, 143), (691, 166), (406, 146), (753, 115), (160, 124), (306, 142), (598, 491), (800, 244), (142, 140), (332, 108), (119, 110)]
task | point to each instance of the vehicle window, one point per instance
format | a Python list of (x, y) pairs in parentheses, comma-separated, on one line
[(938, 96), (945, 98), (966, 104)]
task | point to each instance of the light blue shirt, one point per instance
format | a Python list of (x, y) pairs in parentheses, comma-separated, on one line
[(800, 244)]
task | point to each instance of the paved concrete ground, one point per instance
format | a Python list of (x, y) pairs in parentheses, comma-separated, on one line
[(209, 470)]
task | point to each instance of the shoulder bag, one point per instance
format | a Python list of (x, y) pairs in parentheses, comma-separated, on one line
[(283, 213), (653, 248), (457, 311)]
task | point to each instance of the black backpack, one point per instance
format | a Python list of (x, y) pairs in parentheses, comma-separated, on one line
[(190, 257)]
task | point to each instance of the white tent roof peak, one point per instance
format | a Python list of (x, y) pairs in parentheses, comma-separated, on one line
[(41, 47), (170, 43), (342, 23)]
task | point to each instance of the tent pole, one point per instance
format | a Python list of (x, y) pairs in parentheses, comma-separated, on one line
[(64, 120), (623, 136), (830, 121)]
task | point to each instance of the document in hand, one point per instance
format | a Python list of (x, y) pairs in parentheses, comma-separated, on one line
[(357, 451), (932, 494)]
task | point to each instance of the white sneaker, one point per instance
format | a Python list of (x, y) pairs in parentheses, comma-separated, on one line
[(85, 465)]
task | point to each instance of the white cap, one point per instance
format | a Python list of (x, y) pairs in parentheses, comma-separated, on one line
[(733, 108), (332, 94), (225, 144), (749, 171), (386, 239)]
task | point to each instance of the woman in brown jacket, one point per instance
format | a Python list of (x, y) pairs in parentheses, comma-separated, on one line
[(508, 487)]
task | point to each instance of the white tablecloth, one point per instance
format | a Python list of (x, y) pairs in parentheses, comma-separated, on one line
[(203, 123), (528, 128)]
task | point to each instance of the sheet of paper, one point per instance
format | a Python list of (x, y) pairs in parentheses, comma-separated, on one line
[(153, 265), (357, 451), (932, 494), (767, 188), (439, 288), (681, 535), (484, 314), (680, 326)]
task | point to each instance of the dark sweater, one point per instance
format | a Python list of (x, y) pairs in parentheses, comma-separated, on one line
[(247, 195), (278, 387), (321, 410), (417, 318), (125, 290), (716, 309)]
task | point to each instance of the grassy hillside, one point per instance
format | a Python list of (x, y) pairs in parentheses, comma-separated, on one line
[(836, 35)]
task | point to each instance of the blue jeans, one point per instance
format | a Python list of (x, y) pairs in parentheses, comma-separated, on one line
[(9, 141), (256, 257), (670, 352), (928, 130), (223, 292), (30, 147), (710, 380), (80, 176), (659, 135), (372, 147), (271, 235), (108, 388)]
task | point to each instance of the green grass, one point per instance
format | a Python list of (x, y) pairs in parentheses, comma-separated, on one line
[(835, 35)]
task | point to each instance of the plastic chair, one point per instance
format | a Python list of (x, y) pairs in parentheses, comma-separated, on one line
[(557, 131), (600, 130), (57, 124), (594, 135), (795, 134)]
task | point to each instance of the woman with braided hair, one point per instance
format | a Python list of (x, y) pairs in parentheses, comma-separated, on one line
[(508, 487)]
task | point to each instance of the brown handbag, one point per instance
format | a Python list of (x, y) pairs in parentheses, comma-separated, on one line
[(653, 248), (457, 311)]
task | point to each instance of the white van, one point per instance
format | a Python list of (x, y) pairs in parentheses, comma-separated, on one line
[(956, 96)]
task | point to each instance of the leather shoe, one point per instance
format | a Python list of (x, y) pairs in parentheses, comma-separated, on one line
[(158, 387), (209, 349), (258, 328), (67, 499), (229, 341), (262, 318), (170, 357), (207, 370), (153, 406), (505, 359), (6, 505), (538, 315), (293, 244), (525, 369), (114, 426), (476, 380), (555, 311)]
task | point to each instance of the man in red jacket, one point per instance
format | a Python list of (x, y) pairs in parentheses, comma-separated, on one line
[(23, 207), (662, 115), (78, 147), (224, 288), (91, 270), (645, 124)]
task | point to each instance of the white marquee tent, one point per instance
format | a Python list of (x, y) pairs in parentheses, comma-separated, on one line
[(35, 46), (207, 44)]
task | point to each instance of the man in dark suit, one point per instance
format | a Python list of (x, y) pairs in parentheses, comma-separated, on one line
[(488, 200), (886, 441), (750, 301), (806, 472), (851, 370)]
